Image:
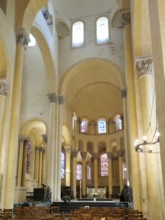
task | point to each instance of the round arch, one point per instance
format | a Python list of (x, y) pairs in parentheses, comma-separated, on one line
[(66, 135), (108, 65), (34, 127), (26, 15), (49, 63)]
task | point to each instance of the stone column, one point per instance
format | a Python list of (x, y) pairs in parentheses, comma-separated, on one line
[(126, 133), (78, 125), (120, 154), (44, 158), (149, 161), (110, 182), (43, 166), (40, 166), (23, 180), (52, 146), (22, 39), (95, 157), (20, 160), (58, 147), (84, 174), (131, 106), (67, 169), (36, 172), (74, 161), (3, 93), (157, 24)]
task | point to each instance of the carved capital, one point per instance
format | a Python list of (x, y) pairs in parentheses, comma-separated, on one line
[(22, 37), (22, 138), (4, 87), (144, 65), (67, 149), (125, 17), (109, 155), (120, 153), (83, 154), (44, 136), (123, 93), (74, 153), (40, 149), (37, 148), (61, 99), (52, 97), (95, 156)]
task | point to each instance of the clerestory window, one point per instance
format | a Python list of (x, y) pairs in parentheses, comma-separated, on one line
[(78, 34), (102, 127), (104, 165), (102, 30)]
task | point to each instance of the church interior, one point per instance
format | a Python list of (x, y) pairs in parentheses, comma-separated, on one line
[(81, 102)]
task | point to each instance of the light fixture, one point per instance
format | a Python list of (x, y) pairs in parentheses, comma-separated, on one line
[(147, 146)]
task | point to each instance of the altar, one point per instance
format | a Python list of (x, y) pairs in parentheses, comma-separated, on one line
[(99, 193)]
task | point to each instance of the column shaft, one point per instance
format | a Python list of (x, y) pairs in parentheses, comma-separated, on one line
[(22, 39), (109, 154), (67, 170), (157, 24), (74, 158), (20, 160), (95, 157), (84, 174), (51, 147), (132, 121)]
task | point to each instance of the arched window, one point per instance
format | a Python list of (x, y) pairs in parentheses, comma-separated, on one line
[(104, 165), (89, 176), (78, 34), (74, 120), (32, 42), (102, 127), (79, 172), (62, 165), (28, 157), (84, 126), (102, 30), (119, 123)]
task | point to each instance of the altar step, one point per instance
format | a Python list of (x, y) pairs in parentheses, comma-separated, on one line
[(67, 207)]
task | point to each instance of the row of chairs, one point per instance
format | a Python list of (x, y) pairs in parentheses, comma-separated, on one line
[(34, 212), (104, 214), (52, 213)]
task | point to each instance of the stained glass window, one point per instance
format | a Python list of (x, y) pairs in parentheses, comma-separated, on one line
[(89, 177), (78, 171), (62, 165), (28, 158), (101, 126), (104, 165), (83, 126), (119, 122)]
